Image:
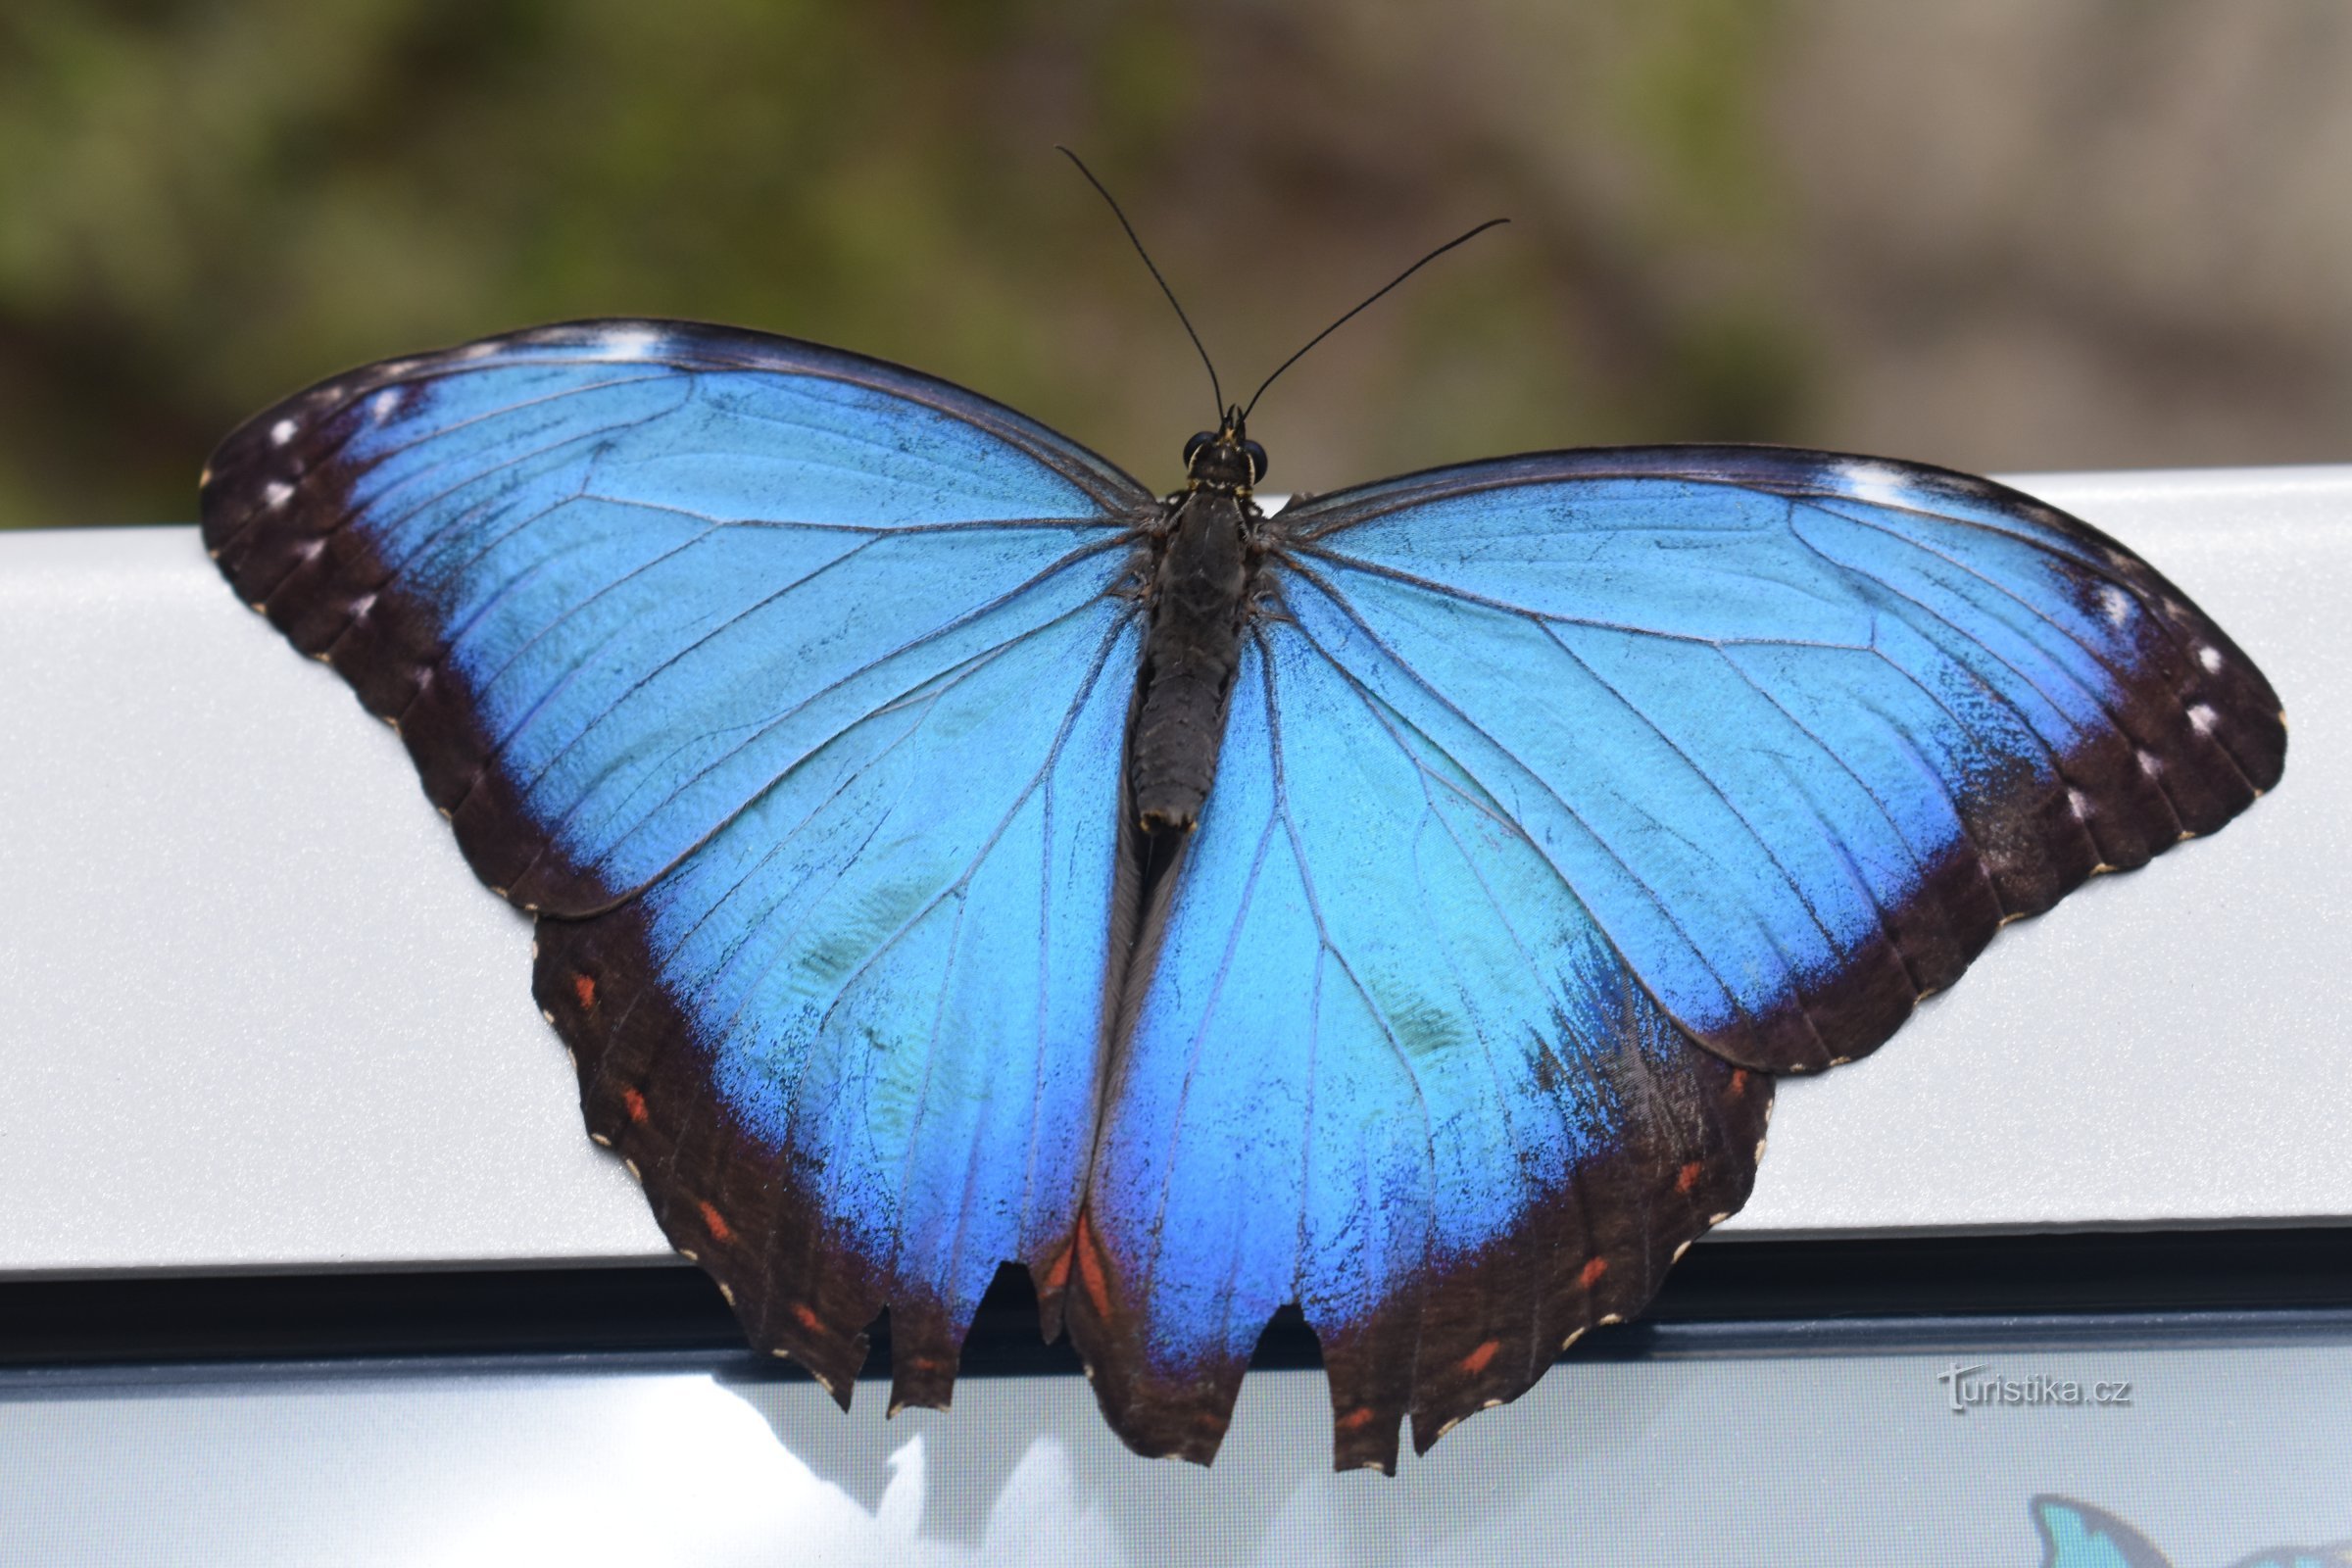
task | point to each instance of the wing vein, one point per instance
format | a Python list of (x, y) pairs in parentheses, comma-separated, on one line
[(1661, 905)]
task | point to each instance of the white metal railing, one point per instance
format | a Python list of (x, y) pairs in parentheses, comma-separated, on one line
[(255, 1011)]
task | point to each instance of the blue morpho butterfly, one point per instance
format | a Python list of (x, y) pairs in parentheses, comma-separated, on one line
[(2075, 1535), (947, 852)]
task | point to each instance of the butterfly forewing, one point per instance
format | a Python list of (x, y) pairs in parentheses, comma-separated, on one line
[(1802, 730)]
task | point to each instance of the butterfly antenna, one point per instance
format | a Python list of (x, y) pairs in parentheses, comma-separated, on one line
[(1459, 239), (1121, 216)]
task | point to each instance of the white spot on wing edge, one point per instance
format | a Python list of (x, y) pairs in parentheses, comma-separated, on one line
[(479, 351), (2081, 803), (2114, 604), (380, 406), (630, 343), (2210, 656), (276, 493), (2203, 717), (282, 432), (1882, 483)]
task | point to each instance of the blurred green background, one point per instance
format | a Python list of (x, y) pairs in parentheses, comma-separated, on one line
[(2002, 234)]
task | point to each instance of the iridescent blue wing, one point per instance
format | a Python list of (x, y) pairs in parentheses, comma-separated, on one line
[(1802, 730), (787, 687), (1561, 797), (2336, 1554), (1387, 1068), (2075, 1535)]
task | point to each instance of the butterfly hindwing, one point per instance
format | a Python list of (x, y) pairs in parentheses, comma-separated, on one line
[(852, 1044), (1386, 1068), (789, 689)]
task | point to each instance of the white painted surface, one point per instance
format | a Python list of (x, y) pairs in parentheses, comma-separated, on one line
[(256, 1013), (1759, 1461)]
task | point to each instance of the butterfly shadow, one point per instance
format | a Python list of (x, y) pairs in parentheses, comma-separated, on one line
[(1024, 1448)]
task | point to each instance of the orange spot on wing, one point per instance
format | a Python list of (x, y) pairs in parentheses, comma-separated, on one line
[(1690, 1176), (1476, 1362), (720, 1231), (1357, 1417), (809, 1319), (1740, 1081), (1091, 1273), (1593, 1270), (635, 1103), (583, 986)]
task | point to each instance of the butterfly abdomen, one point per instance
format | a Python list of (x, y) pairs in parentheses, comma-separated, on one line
[(1199, 589)]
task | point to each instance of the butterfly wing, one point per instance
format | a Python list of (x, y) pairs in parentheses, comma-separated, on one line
[(1802, 730), (1545, 774), (787, 687), (2076, 1535), (1387, 1068)]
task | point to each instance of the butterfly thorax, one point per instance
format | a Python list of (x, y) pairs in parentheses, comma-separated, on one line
[(1198, 602)]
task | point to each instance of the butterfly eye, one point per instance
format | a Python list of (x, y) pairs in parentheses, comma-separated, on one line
[(1257, 461), (1192, 448)]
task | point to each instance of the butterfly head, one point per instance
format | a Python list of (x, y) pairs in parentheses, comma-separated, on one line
[(1224, 458)]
